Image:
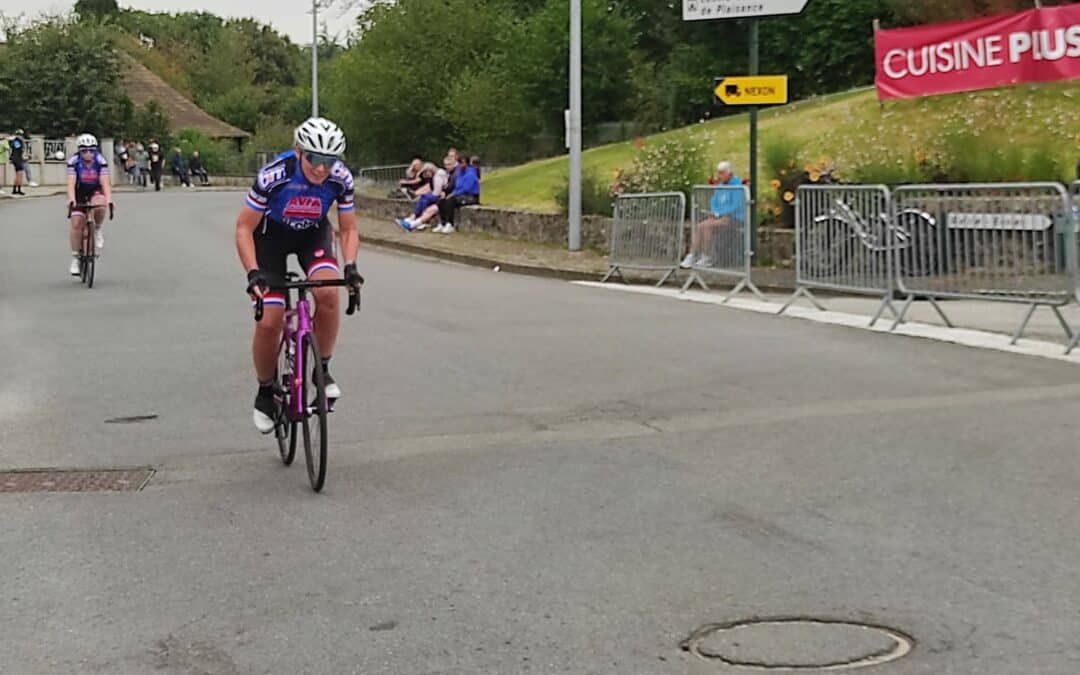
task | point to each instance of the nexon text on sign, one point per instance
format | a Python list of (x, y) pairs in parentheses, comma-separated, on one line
[(1032, 46)]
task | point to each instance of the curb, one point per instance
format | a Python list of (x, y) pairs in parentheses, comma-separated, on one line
[(479, 261), (126, 190), (533, 270)]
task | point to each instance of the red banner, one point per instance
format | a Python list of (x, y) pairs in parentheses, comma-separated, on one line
[(1038, 45)]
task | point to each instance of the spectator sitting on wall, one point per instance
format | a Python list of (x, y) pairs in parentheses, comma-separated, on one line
[(195, 166), (726, 208), (176, 165), (427, 204), (412, 181), (466, 191)]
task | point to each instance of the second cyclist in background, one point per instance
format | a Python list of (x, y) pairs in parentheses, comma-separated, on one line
[(87, 184)]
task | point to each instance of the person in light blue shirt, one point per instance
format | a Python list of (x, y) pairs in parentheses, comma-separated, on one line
[(727, 209)]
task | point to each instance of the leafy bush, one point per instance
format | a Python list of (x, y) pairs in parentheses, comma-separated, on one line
[(780, 154), (669, 165), (596, 196), (972, 157)]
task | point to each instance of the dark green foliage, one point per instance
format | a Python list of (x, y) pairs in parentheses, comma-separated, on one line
[(596, 195), (58, 78)]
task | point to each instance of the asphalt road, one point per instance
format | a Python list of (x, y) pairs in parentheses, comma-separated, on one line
[(525, 476)]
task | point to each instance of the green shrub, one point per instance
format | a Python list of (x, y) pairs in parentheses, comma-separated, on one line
[(781, 154), (596, 196), (670, 165)]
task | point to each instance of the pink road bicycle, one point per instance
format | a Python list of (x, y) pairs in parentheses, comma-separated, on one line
[(300, 389)]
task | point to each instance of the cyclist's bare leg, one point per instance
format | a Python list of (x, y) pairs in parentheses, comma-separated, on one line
[(77, 220), (264, 345), (99, 204), (328, 316)]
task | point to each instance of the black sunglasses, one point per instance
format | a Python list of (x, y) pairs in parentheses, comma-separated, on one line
[(321, 160)]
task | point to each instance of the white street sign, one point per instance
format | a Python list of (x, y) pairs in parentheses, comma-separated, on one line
[(693, 10)]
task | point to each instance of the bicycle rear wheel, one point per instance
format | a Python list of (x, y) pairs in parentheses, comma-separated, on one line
[(284, 429), (89, 259), (314, 423)]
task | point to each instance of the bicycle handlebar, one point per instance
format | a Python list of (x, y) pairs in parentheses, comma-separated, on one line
[(87, 207), (354, 293)]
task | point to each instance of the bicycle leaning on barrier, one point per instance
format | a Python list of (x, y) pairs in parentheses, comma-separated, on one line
[(842, 225)]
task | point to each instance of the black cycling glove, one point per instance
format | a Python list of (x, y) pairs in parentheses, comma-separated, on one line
[(352, 277), (258, 278)]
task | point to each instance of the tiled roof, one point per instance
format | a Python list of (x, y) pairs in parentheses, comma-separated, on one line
[(142, 85)]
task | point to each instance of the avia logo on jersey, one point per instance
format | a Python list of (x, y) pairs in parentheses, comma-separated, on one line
[(88, 176), (303, 209)]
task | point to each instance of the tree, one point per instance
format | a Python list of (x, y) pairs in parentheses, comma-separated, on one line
[(96, 8), (149, 121), (387, 92), (81, 70), (937, 11)]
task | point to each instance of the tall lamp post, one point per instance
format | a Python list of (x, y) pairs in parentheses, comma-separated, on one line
[(314, 58), (574, 131)]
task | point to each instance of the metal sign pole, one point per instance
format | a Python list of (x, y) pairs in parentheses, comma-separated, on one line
[(574, 235), (314, 58)]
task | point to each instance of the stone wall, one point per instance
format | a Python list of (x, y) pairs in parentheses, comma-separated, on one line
[(544, 228)]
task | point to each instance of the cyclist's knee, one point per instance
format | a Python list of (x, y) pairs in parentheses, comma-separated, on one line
[(272, 321), (326, 297)]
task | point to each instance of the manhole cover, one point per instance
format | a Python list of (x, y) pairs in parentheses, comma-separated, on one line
[(61, 480), (798, 644)]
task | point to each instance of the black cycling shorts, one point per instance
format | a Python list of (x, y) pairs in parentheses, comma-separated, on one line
[(84, 194), (19, 164), (313, 247)]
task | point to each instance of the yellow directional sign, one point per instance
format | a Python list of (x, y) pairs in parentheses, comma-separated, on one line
[(756, 90)]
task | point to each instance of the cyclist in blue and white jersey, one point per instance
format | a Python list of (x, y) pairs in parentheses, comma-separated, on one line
[(286, 213), (87, 183)]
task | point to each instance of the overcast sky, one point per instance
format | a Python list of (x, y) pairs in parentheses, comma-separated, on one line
[(291, 17)]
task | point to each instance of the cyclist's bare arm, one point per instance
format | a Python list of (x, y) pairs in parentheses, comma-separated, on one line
[(350, 238), (106, 188), (71, 189), (246, 223)]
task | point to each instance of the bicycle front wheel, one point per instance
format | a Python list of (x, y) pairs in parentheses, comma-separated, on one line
[(87, 263), (285, 429), (91, 264), (314, 422)]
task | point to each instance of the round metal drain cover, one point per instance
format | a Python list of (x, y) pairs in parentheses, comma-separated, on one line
[(798, 644)]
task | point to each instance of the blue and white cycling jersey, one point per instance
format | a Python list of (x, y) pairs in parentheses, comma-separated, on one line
[(88, 176), (282, 194)]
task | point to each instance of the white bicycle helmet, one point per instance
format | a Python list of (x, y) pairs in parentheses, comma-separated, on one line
[(87, 141), (321, 136)]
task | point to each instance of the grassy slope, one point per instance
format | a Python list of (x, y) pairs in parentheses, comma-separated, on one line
[(845, 130)]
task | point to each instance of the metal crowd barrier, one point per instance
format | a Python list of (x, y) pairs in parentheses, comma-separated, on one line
[(1008, 242), (647, 234), (844, 242), (1074, 198), (382, 175), (721, 244), (52, 147)]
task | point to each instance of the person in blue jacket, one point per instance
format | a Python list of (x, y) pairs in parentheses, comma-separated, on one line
[(727, 208), (466, 191)]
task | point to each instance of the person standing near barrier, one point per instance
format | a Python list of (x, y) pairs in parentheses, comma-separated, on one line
[(3, 162), (157, 165), (17, 152), (726, 209)]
